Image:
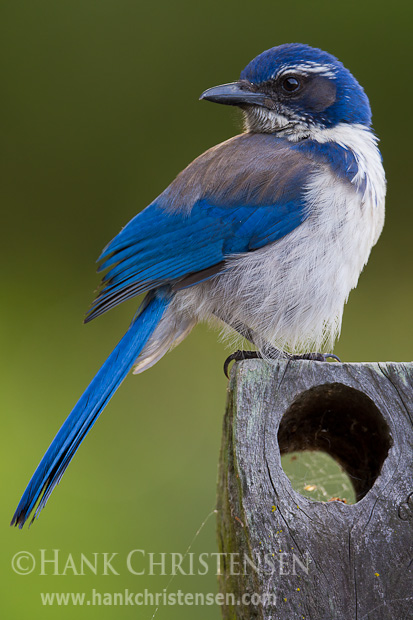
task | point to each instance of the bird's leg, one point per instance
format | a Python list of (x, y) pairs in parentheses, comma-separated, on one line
[(270, 351), (248, 334)]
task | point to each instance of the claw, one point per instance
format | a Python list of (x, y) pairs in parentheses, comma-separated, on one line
[(238, 356), (334, 357)]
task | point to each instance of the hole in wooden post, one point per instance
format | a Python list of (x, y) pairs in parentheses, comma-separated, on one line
[(344, 423)]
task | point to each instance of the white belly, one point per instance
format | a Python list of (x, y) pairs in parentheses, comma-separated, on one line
[(292, 292)]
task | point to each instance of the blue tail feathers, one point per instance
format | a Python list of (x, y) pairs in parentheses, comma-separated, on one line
[(90, 406)]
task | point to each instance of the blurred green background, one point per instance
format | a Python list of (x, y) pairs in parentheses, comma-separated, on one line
[(100, 111)]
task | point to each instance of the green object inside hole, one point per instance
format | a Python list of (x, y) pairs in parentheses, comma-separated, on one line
[(318, 476)]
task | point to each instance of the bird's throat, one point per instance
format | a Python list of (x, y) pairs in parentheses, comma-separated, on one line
[(262, 120)]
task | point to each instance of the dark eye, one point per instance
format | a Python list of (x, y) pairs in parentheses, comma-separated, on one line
[(291, 84)]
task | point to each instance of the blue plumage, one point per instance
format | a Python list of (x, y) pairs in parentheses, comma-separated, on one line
[(267, 231), (226, 222), (213, 234), (232, 216), (351, 104)]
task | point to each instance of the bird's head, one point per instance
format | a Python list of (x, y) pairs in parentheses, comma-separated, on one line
[(294, 90)]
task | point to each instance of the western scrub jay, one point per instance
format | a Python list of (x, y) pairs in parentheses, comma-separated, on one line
[(267, 233)]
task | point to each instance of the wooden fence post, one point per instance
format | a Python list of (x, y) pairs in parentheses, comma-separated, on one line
[(321, 561)]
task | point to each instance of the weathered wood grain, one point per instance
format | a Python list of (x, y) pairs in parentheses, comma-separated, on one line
[(356, 560)]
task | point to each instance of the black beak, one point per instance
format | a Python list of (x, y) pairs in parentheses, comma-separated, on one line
[(234, 93)]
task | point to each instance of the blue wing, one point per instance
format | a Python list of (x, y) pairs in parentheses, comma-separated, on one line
[(178, 246), (234, 199)]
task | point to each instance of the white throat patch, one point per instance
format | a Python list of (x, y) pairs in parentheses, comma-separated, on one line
[(363, 144)]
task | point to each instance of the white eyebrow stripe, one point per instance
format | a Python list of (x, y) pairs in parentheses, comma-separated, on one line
[(306, 68)]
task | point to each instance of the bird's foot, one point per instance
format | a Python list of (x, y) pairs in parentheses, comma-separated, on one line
[(315, 357), (238, 356)]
